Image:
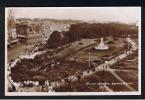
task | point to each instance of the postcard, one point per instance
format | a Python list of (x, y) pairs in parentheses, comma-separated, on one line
[(66, 51)]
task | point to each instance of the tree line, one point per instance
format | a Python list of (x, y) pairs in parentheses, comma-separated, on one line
[(95, 30)]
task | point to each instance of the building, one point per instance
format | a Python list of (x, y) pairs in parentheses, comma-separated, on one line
[(11, 26), (23, 29)]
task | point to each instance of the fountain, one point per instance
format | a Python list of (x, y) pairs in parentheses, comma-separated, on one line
[(101, 46)]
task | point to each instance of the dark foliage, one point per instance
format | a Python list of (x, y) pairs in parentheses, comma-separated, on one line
[(86, 30)]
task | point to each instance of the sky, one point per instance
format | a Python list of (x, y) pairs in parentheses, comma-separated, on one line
[(105, 14)]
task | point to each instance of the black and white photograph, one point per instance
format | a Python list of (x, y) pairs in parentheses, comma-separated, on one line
[(72, 51)]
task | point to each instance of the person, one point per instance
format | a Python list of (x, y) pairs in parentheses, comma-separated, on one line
[(87, 71), (50, 88), (56, 84), (13, 88), (65, 81), (70, 85), (79, 77), (10, 88), (42, 88)]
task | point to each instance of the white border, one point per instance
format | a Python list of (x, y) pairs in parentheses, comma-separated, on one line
[(71, 93)]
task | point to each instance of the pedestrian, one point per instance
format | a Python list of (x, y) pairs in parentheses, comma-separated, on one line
[(13, 88), (79, 77), (65, 81), (50, 88), (42, 88), (87, 71)]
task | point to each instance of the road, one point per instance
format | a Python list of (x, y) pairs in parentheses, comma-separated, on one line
[(21, 49), (122, 81)]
